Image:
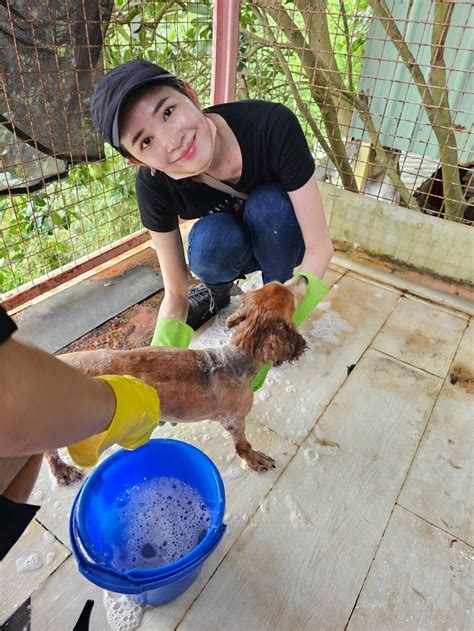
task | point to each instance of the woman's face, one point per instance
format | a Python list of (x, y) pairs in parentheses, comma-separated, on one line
[(165, 130)]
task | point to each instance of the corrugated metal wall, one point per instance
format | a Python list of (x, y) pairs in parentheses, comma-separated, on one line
[(395, 100)]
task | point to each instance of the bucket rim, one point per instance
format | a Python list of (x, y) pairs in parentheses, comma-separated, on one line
[(102, 577), (213, 530)]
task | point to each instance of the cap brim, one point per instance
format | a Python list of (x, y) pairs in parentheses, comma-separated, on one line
[(115, 124)]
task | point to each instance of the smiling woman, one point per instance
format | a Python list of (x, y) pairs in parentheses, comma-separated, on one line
[(164, 129), (195, 163)]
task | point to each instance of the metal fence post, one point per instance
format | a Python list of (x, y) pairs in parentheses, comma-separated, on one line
[(225, 43)]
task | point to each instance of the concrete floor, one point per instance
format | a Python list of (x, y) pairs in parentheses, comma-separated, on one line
[(366, 522)]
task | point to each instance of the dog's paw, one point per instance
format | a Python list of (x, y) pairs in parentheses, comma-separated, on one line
[(65, 474), (258, 461)]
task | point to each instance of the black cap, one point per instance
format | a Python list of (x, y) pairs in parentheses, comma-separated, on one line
[(112, 90)]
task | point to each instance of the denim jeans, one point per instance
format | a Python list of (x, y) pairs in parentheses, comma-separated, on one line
[(264, 236)]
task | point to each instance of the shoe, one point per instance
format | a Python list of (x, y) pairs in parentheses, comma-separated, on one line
[(205, 301)]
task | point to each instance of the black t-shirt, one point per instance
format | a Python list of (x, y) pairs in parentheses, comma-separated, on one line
[(7, 326), (274, 150)]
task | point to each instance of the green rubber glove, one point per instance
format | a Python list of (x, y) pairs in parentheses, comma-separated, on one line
[(173, 333), (314, 294), (259, 379), (137, 412)]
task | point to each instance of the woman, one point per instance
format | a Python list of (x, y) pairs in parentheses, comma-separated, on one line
[(256, 148)]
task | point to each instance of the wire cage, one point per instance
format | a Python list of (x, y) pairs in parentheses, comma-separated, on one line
[(383, 90)]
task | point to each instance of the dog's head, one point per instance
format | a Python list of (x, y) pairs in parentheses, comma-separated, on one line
[(264, 322)]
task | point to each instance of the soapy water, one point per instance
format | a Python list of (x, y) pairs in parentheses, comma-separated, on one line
[(327, 329), (217, 334), (29, 564), (160, 521), (298, 520), (123, 614)]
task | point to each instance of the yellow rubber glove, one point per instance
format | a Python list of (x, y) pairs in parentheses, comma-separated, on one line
[(137, 412)]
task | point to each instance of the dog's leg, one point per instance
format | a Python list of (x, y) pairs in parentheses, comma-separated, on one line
[(62, 472), (256, 460)]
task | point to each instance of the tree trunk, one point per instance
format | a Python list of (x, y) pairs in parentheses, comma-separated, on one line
[(436, 100), (318, 87)]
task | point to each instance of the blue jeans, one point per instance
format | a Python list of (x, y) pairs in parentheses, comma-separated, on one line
[(264, 236)]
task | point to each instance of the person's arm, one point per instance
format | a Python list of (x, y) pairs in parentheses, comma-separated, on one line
[(309, 211), (45, 403), (170, 252)]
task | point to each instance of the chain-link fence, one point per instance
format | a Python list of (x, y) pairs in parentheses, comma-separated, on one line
[(383, 89)]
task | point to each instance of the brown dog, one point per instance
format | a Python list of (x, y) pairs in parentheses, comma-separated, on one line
[(214, 384)]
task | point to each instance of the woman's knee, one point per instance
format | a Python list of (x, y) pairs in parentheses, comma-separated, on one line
[(269, 203), (217, 244)]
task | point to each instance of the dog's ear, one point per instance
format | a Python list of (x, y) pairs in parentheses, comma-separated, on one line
[(267, 337), (280, 342)]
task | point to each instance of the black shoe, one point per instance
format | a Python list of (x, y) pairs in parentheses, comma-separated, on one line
[(205, 301)]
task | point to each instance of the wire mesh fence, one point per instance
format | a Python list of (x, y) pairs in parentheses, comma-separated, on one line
[(383, 90)]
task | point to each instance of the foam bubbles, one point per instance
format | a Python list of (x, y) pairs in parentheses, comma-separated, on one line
[(233, 473), (123, 614), (159, 522), (310, 455), (29, 563), (327, 329), (297, 519)]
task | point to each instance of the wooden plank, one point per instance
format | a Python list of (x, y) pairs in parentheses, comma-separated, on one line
[(421, 335), (59, 601), (440, 486), (245, 491), (362, 164), (303, 559), (421, 579), (337, 334), (15, 586)]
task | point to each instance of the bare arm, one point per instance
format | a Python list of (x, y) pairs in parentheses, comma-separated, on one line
[(309, 212), (46, 404), (170, 251)]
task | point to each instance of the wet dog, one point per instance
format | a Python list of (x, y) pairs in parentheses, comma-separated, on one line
[(215, 384)]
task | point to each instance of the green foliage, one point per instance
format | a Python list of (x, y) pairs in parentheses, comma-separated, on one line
[(358, 22), (95, 205)]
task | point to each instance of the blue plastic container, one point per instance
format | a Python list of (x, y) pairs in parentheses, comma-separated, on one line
[(94, 532), (152, 592)]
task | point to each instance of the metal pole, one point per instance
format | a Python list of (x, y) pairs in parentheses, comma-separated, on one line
[(225, 45)]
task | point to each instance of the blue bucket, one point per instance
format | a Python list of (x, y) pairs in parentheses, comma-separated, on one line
[(95, 533)]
